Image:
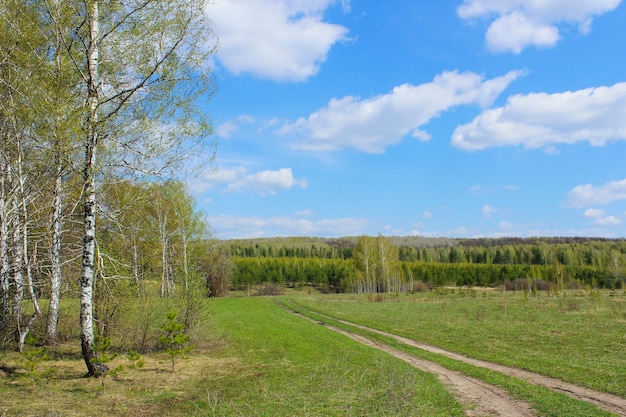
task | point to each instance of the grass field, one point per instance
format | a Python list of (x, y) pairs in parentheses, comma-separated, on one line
[(257, 359), (577, 338), (262, 361)]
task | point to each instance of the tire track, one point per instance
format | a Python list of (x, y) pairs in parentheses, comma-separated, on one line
[(481, 399), (608, 402)]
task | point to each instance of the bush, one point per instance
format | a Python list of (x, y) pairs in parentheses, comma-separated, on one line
[(174, 339), (419, 286), (269, 288)]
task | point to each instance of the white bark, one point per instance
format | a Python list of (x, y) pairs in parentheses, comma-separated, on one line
[(89, 192), (57, 195), (4, 249), (55, 259), (24, 263), (18, 278), (164, 238)]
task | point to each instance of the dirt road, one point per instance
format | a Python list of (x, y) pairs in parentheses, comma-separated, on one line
[(480, 398), (486, 399)]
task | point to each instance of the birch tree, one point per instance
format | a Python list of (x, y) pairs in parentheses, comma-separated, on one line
[(143, 64), (366, 264), (19, 48), (376, 262), (60, 133)]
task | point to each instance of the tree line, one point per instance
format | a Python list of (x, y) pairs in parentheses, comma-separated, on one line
[(376, 264), (598, 252)]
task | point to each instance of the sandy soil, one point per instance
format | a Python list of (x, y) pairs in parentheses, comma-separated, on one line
[(484, 399)]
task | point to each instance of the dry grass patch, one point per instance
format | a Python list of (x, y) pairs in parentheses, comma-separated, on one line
[(152, 390)]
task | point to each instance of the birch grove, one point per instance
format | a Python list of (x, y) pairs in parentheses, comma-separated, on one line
[(119, 83), (377, 267)]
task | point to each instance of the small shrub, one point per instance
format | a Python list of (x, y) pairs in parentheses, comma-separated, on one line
[(269, 288), (135, 359), (519, 284), (33, 357), (419, 286), (174, 338), (377, 298), (542, 285), (101, 348), (141, 331)]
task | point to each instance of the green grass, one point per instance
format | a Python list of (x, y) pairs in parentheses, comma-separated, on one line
[(290, 366), (545, 402), (577, 338), (253, 357), (260, 361)]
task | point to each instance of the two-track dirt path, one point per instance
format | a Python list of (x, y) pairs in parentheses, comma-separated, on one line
[(484, 399), (481, 398)]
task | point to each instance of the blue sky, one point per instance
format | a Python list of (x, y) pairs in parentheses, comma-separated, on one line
[(465, 118)]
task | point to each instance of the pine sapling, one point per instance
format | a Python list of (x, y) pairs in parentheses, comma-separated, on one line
[(174, 338)]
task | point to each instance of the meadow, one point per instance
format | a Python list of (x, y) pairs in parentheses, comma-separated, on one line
[(254, 357), (579, 337)]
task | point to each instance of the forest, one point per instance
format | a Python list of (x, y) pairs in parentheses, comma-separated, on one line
[(404, 264)]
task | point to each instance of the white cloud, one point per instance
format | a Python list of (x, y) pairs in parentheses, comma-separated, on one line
[(521, 23), (232, 227), (513, 32), (238, 180), (427, 215), (476, 190), (283, 40), (609, 221), (266, 182), (593, 213), (372, 124), (588, 195), (226, 129), (461, 231), (505, 226), (535, 120), (211, 178), (599, 217), (489, 211)]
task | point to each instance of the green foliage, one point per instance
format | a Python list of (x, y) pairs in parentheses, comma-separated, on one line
[(293, 272), (33, 358), (556, 264), (174, 339), (103, 357), (135, 360), (141, 328), (376, 266), (189, 302)]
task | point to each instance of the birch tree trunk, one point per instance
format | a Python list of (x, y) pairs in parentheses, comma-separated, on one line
[(4, 248), (22, 249), (60, 134), (55, 258), (89, 193), (17, 255), (165, 286)]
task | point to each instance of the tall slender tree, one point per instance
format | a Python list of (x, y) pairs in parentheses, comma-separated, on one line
[(144, 66)]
